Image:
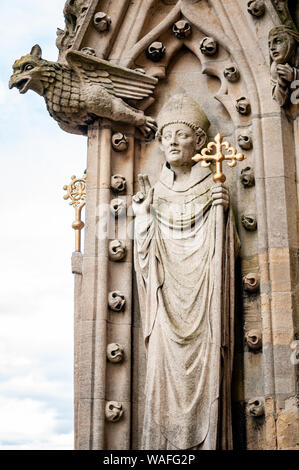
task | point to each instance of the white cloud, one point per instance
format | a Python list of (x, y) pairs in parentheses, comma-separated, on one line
[(25, 23), (36, 303), (36, 429)]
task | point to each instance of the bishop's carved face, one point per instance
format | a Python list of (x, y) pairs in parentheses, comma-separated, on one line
[(280, 47), (179, 143)]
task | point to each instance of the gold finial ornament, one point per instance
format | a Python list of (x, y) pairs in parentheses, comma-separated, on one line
[(213, 153), (76, 192)]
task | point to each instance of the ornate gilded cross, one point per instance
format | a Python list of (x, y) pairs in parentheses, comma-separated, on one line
[(76, 192), (213, 153)]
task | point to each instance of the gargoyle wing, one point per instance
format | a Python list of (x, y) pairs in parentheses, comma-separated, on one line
[(119, 81)]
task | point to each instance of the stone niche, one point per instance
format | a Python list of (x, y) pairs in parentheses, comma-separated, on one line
[(216, 51)]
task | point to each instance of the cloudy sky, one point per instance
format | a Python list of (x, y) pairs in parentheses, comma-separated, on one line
[(36, 302)]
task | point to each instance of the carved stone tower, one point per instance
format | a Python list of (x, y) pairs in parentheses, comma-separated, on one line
[(119, 63)]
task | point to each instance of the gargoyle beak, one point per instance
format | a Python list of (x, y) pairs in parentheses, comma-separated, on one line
[(20, 83)]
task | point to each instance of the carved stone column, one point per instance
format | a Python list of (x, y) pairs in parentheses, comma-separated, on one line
[(118, 377), (95, 292), (77, 271), (104, 385)]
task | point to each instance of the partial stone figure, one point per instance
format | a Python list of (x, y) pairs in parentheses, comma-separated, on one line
[(188, 378), (283, 44), (88, 89)]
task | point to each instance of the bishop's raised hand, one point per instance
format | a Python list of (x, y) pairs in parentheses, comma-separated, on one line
[(143, 200)]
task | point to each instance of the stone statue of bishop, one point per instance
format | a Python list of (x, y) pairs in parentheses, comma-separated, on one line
[(189, 370)]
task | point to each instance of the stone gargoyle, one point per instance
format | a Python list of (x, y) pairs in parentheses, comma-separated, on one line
[(86, 89)]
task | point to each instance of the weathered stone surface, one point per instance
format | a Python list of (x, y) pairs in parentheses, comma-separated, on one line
[(208, 49)]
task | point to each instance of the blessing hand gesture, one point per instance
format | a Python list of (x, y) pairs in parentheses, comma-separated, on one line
[(143, 200)]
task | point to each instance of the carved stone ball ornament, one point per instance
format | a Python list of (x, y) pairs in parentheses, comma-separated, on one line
[(231, 73), (118, 207), (115, 353), (117, 250), (256, 407), (102, 22), (182, 29), (243, 106), (118, 183), (245, 142), (119, 142), (247, 177), (156, 51), (254, 339), (113, 411), (251, 282), (256, 7), (208, 46), (116, 301), (249, 222), (88, 51)]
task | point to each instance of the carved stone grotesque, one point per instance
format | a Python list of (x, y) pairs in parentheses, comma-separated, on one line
[(254, 339), (284, 60), (282, 8), (256, 407), (245, 142), (115, 353), (116, 301), (74, 14), (175, 224), (208, 46), (249, 222), (102, 22), (256, 7), (118, 207), (88, 51), (243, 106), (117, 250), (156, 51), (182, 29), (247, 177), (120, 142), (231, 73), (118, 183), (114, 411), (251, 282), (86, 89)]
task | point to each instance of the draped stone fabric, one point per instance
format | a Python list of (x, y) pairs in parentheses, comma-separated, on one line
[(187, 391)]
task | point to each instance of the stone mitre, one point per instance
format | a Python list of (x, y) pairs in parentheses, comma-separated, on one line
[(185, 110)]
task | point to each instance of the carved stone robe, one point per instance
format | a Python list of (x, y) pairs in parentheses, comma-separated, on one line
[(188, 378)]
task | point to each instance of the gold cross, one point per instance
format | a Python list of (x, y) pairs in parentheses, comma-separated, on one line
[(206, 157)]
